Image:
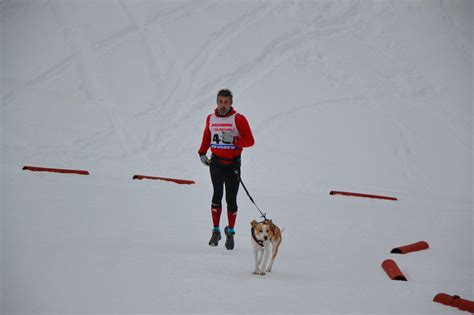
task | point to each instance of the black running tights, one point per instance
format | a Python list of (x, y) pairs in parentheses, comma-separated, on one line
[(220, 176)]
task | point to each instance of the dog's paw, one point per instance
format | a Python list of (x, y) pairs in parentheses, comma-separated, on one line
[(258, 272), (269, 270)]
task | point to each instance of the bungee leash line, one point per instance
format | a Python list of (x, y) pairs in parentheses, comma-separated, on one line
[(263, 215)]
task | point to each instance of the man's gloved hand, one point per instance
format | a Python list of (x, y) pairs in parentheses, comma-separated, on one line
[(227, 138), (205, 160)]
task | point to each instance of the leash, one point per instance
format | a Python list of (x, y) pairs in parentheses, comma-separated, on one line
[(263, 215), (236, 172)]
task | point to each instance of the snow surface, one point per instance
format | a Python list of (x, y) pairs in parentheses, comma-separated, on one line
[(366, 96)]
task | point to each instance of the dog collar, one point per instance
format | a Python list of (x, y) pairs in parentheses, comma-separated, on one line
[(259, 242)]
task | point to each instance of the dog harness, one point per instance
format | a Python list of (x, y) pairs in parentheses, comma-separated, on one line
[(258, 242)]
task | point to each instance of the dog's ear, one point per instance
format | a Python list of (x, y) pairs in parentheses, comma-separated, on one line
[(253, 223), (272, 226)]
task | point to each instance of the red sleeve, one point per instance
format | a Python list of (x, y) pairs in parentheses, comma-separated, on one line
[(245, 139), (206, 138)]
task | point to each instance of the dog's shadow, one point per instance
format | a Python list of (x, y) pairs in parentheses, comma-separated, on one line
[(284, 276)]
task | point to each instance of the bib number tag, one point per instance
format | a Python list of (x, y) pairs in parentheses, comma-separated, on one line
[(217, 142)]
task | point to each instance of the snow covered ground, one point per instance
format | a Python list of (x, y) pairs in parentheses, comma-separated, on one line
[(365, 96)]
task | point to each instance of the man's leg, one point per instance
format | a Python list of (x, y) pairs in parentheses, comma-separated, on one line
[(216, 205), (231, 190), (217, 179)]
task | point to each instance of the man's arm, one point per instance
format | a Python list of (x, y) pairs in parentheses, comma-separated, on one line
[(206, 138), (245, 139)]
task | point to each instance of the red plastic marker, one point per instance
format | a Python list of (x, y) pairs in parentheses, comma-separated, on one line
[(410, 248), (454, 301), (392, 270), (353, 194), (174, 180), (55, 170)]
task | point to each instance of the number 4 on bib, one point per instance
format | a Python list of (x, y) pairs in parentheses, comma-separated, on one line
[(216, 138)]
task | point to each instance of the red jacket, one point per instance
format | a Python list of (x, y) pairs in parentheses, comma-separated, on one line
[(243, 140)]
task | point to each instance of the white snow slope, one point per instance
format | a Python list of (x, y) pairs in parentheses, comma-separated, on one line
[(364, 96)]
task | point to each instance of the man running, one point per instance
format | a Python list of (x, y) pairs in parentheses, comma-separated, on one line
[(226, 133)]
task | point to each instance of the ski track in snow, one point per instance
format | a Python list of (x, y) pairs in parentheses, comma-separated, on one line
[(50, 74), (92, 77), (173, 15)]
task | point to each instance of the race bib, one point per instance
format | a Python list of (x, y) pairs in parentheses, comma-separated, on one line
[(219, 125)]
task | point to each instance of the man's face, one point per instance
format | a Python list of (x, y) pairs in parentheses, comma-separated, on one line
[(223, 104)]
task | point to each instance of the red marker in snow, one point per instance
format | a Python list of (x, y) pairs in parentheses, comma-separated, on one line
[(174, 180), (55, 170), (354, 194), (410, 248)]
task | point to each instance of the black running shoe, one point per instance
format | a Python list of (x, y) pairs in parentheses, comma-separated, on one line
[(215, 238), (229, 242)]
